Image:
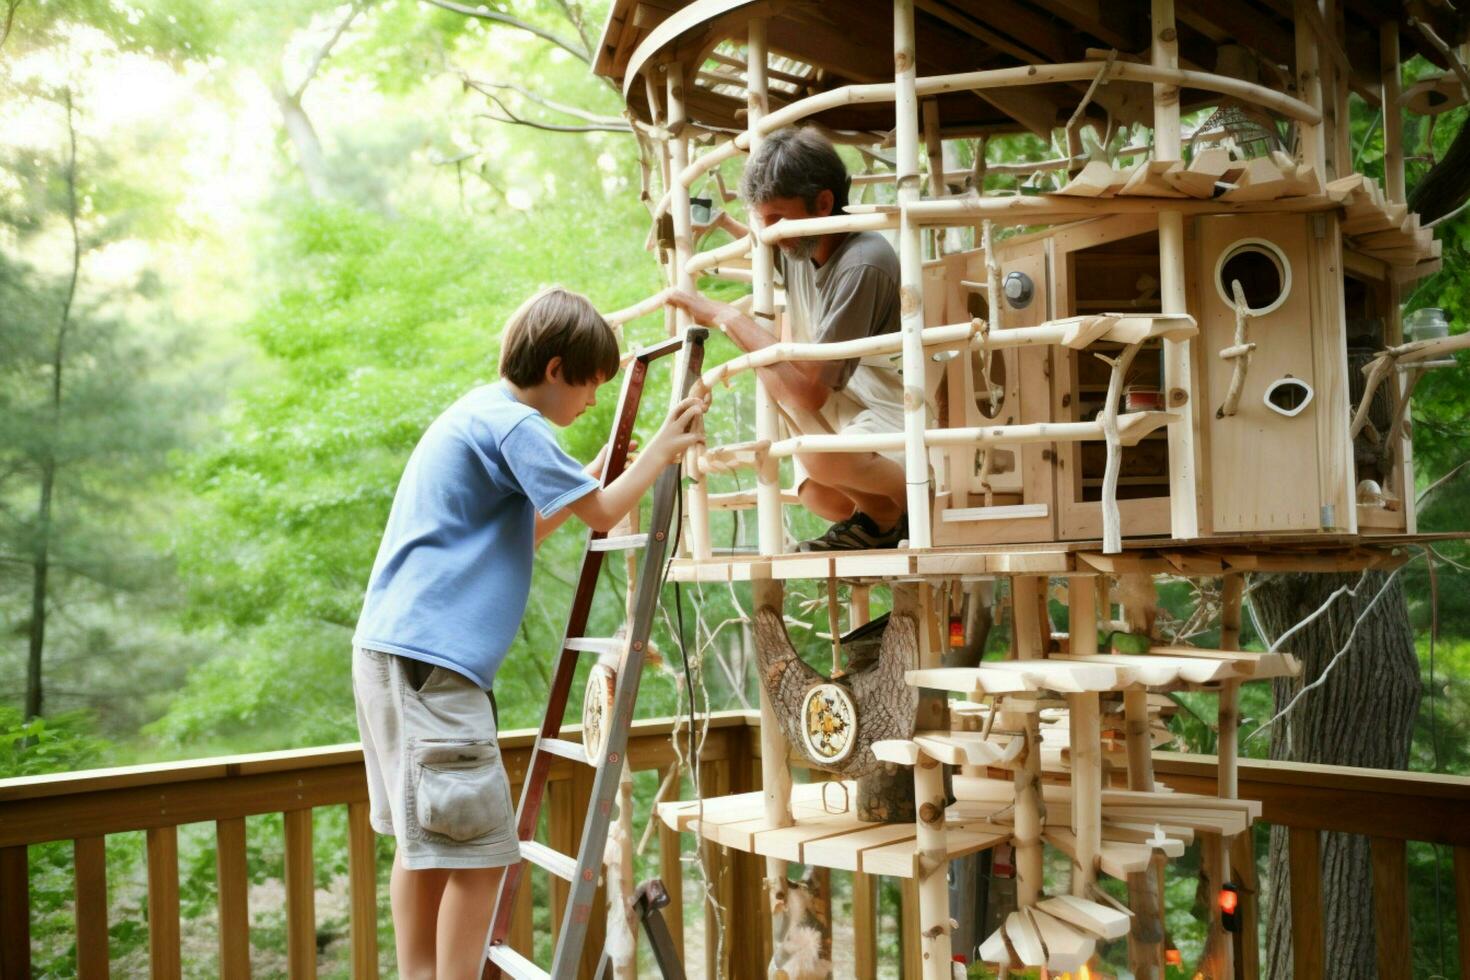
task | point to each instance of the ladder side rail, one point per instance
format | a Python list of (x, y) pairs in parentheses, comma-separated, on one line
[(583, 888)]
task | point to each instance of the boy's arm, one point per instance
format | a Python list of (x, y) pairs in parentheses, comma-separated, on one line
[(795, 382), (604, 507), (545, 525)]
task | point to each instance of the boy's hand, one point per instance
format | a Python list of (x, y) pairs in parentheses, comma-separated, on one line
[(674, 438), (703, 310), (595, 468)]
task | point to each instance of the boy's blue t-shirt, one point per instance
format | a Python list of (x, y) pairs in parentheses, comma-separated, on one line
[(453, 571)]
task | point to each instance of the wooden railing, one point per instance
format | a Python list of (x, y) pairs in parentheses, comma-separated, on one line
[(85, 807), (1391, 808)]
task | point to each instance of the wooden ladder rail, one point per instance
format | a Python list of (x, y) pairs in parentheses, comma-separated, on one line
[(582, 879)]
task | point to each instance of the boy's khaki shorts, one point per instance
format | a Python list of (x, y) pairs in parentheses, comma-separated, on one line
[(435, 779)]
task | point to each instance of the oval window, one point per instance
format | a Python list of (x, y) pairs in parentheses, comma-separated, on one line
[(1262, 271), (1288, 396)]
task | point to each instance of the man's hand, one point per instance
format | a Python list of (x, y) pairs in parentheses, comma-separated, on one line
[(702, 309)]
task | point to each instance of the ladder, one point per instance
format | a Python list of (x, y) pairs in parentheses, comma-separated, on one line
[(582, 872)]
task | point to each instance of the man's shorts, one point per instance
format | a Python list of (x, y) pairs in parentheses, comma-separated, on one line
[(848, 416), (435, 779)]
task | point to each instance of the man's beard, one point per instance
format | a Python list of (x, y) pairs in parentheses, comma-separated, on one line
[(800, 249)]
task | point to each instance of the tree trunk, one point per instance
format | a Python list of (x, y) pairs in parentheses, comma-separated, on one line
[(304, 140), (40, 571), (1362, 715)]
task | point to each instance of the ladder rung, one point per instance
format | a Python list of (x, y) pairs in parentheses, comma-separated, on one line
[(620, 543), (597, 644), (514, 965), (564, 748), (555, 861)]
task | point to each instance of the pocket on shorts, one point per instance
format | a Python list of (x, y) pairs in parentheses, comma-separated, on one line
[(461, 791)]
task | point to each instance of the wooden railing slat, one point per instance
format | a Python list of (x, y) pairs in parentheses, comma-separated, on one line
[(163, 903), (1462, 906), (233, 883), (1305, 863), (1391, 908), (300, 897), (362, 883), (671, 868), (15, 913), (1247, 940), (89, 857), (714, 782), (865, 926), (908, 928)]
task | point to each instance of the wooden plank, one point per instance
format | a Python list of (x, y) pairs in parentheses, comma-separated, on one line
[(362, 884), (233, 885), (1462, 906), (844, 851), (865, 926), (1391, 908), (1305, 862), (89, 855), (163, 903), (300, 881), (15, 913), (671, 868)]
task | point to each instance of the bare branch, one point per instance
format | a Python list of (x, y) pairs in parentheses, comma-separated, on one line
[(545, 103), (573, 13), (321, 53), (511, 117), (497, 17)]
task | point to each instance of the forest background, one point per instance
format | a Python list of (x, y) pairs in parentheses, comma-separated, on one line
[(247, 253)]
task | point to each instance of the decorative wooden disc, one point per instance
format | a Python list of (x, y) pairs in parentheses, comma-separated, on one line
[(597, 709), (829, 723)]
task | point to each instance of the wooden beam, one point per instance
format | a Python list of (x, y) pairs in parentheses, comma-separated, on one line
[(1391, 909), (163, 904), (89, 856), (232, 882)]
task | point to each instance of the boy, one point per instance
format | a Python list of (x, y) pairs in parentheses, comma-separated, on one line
[(840, 286), (486, 483)]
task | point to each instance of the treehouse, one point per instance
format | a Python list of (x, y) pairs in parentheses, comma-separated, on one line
[(1171, 346)]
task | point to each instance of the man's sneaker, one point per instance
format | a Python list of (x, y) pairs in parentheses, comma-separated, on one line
[(858, 533)]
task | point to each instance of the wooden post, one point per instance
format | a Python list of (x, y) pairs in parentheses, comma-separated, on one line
[(1025, 590), (769, 528), (1146, 937), (671, 868), (911, 284), (1342, 143), (1085, 721), (163, 903), (908, 928), (1184, 459), (865, 926), (1393, 113), (300, 896), (1304, 860), (697, 495), (15, 912), (934, 149), (775, 773), (931, 867), (89, 856), (233, 884), (1391, 908), (1311, 140)]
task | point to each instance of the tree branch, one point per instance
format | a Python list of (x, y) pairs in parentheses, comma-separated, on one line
[(321, 53), (9, 20), (511, 117), (573, 111), (497, 17)]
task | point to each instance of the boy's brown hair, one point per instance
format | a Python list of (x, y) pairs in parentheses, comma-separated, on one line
[(557, 322)]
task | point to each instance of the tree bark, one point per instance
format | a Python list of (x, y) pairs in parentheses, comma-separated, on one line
[(304, 140), (1363, 715), (41, 557)]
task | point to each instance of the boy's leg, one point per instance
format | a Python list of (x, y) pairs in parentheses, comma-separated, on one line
[(464, 921), (416, 898)]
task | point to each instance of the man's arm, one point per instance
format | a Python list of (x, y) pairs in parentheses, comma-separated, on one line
[(798, 383)]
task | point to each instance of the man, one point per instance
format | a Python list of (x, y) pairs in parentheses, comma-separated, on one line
[(842, 286)]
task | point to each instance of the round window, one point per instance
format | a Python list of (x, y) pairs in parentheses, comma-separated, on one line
[(1262, 271)]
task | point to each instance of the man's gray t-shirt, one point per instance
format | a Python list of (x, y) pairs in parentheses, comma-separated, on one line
[(854, 294)]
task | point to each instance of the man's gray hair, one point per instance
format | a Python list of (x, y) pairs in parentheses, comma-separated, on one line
[(795, 163)]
